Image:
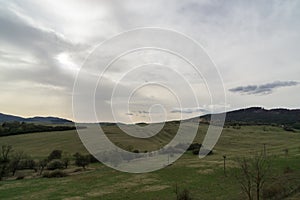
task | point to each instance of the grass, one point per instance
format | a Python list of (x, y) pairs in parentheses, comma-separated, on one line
[(204, 178)]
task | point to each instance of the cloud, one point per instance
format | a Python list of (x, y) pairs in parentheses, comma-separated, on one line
[(263, 89), (42, 44), (189, 110)]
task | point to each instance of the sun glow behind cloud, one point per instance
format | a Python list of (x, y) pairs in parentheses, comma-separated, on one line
[(66, 62)]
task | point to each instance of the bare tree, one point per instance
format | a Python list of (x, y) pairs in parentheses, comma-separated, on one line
[(42, 164), (4, 160), (5, 150), (244, 177), (261, 169), (15, 161), (252, 175)]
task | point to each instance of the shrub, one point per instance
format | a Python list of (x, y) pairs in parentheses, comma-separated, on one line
[(55, 154), (274, 191), (184, 195), (55, 174), (93, 159), (81, 160), (194, 146), (136, 151), (196, 151), (204, 152), (66, 161), (55, 164)]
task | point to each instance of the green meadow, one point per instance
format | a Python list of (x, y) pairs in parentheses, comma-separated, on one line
[(203, 178)]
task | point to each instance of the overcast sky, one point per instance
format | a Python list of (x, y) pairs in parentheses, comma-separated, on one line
[(43, 45)]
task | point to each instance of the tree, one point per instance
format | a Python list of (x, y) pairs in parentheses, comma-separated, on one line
[(224, 164), (252, 175), (81, 160), (5, 150), (244, 177), (261, 169), (55, 164), (4, 160), (66, 160), (55, 154), (42, 164), (16, 161)]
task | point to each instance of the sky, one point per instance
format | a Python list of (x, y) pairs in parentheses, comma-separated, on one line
[(46, 45)]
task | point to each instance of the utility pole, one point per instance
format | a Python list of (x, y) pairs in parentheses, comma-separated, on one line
[(265, 153), (224, 157)]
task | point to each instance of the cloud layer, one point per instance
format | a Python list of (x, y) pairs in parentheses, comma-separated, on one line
[(189, 110), (43, 45), (263, 89)]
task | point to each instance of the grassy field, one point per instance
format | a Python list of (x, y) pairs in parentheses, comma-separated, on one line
[(204, 178)]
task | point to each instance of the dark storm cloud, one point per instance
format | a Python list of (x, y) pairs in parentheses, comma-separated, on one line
[(264, 88)]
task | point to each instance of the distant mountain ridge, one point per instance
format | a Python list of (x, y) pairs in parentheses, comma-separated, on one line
[(252, 115), (48, 120), (259, 115)]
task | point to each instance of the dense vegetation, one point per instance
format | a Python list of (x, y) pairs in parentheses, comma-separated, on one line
[(16, 128), (12, 161)]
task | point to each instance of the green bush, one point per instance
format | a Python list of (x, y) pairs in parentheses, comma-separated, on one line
[(81, 160), (136, 151), (55, 164), (194, 146), (55, 154)]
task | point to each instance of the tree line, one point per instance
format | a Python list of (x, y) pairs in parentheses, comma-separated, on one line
[(12, 161), (15, 128)]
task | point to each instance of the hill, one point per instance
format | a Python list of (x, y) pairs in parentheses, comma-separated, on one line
[(246, 116), (261, 116), (46, 120)]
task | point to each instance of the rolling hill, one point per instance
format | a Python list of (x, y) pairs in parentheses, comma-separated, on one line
[(247, 116), (46, 120), (261, 116)]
